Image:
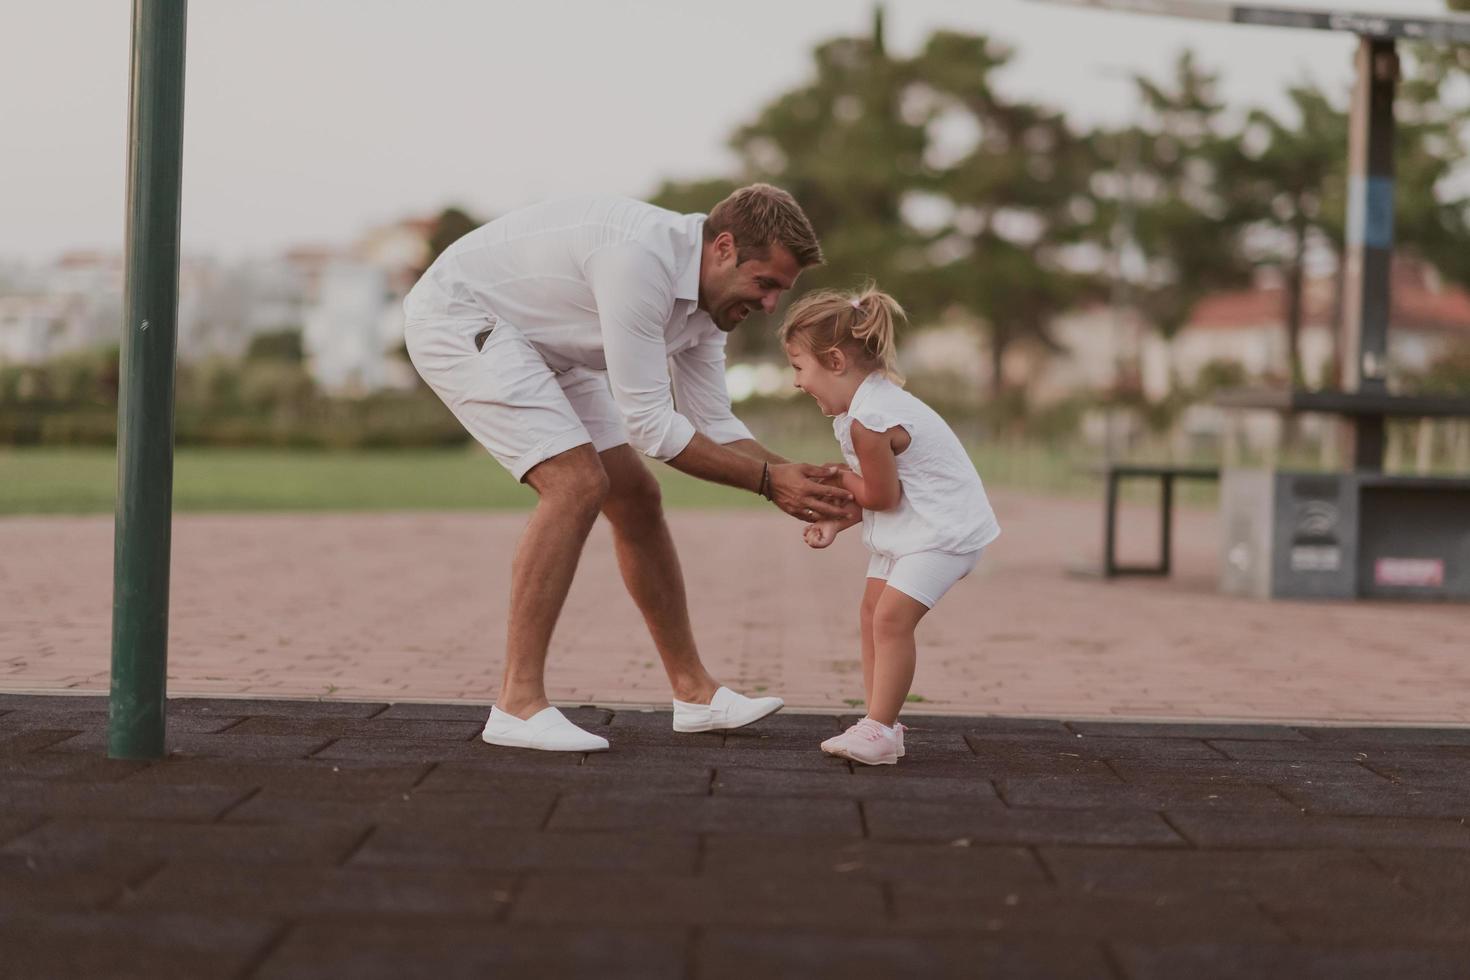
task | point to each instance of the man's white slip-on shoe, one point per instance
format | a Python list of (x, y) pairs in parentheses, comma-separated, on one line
[(726, 710), (548, 730)]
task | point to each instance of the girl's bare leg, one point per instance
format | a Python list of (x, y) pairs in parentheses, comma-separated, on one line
[(895, 616)]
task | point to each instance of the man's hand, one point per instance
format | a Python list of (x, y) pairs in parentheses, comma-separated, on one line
[(797, 489), (821, 533)]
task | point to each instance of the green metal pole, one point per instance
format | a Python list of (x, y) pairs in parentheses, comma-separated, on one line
[(145, 411)]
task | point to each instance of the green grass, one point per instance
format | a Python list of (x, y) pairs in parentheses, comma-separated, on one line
[(84, 481)]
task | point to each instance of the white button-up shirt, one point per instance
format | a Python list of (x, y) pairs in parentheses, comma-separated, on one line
[(608, 283)]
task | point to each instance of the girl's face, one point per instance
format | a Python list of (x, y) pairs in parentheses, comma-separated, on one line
[(825, 382)]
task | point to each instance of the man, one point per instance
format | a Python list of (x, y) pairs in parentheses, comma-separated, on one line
[(570, 336)]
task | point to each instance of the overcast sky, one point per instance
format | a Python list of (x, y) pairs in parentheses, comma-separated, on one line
[(309, 120)]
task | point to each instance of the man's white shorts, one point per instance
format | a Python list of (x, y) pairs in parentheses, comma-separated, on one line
[(509, 398), (925, 575)]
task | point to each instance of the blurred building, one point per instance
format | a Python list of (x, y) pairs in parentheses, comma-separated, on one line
[(1429, 317), (345, 300)]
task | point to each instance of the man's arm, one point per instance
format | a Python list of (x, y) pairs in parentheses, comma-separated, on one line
[(753, 449), (794, 487)]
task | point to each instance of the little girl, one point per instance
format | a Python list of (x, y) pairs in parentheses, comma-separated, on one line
[(925, 515)]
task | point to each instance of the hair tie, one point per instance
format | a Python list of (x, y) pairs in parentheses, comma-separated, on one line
[(857, 305)]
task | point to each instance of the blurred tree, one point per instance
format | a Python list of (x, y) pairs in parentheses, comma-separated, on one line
[(276, 345), (1289, 182), (843, 145), (1170, 171), (693, 196), (1011, 179), (450, 225)]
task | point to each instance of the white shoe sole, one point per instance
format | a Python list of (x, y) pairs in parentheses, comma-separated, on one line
[(687, 729), (839, 753), (510, 742)]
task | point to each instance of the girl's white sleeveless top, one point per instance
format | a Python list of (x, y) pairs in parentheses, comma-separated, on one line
[(943, 506)]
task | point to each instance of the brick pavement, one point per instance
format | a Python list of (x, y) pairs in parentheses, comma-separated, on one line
[(308, 839), (409, 606)]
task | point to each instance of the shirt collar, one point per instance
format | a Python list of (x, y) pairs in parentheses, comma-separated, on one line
[(686, 283)]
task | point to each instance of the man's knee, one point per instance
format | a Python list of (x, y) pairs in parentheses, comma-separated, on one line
[(573, 481), (640, 498)]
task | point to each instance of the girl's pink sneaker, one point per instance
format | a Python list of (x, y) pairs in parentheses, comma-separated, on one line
[(867, 742)]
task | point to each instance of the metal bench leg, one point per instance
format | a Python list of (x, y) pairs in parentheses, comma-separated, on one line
[(1110, 528), (1166, 522)]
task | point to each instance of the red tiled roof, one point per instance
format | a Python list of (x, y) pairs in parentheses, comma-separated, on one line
[(1419, 302)]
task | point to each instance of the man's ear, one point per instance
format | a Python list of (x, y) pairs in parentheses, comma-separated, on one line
[(725, 245)]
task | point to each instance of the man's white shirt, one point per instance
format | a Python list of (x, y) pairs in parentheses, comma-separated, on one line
[(607, 283)]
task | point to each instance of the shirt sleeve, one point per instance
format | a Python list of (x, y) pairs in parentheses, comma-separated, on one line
[(700, 391), (635, 298)]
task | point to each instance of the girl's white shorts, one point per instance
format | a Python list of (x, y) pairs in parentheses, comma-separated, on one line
[(924, 575)]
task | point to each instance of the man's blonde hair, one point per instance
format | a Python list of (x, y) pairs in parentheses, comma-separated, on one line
[(760, 216)]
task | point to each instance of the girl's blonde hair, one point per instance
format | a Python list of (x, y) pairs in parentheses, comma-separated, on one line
[(862, 324)]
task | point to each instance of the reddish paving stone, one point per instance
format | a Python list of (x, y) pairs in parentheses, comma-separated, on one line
[(1017, 637)]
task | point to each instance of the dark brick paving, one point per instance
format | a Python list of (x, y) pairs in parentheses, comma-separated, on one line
[(300, 839)]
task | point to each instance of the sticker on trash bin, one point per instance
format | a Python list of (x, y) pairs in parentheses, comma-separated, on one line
[(1316, 558), (1417, 573)]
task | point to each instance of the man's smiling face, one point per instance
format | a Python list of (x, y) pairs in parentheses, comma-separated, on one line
[(730, 290)]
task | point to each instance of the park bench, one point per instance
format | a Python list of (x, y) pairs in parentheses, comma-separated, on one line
[(1114, 474)]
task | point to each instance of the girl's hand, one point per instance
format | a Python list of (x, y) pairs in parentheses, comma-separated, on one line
[(821, 533)]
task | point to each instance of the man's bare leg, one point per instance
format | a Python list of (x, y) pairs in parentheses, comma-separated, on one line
[(651, 571), (572, 487)]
